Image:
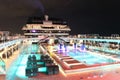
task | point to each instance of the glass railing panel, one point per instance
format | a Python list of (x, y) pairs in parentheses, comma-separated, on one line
[(2, 66)]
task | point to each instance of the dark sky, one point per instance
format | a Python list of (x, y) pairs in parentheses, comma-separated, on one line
[(83, 16)]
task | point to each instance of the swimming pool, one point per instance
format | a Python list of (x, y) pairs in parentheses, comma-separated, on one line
[(88, 58), (33, 48)]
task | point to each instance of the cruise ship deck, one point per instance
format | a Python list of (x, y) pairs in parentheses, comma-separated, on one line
[(75, 63)]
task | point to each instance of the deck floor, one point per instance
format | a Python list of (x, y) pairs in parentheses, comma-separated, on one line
[(16, 71)]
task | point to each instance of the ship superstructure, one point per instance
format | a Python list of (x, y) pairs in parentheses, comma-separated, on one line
[(37, 26)]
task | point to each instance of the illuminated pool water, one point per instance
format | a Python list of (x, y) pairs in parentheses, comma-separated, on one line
[(88, 58), (33, 48), (17, 69)]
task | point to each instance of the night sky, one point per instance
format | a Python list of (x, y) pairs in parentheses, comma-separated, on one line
[(83, 16)]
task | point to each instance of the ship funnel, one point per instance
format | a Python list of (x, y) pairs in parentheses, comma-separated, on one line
[(46, 17)]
